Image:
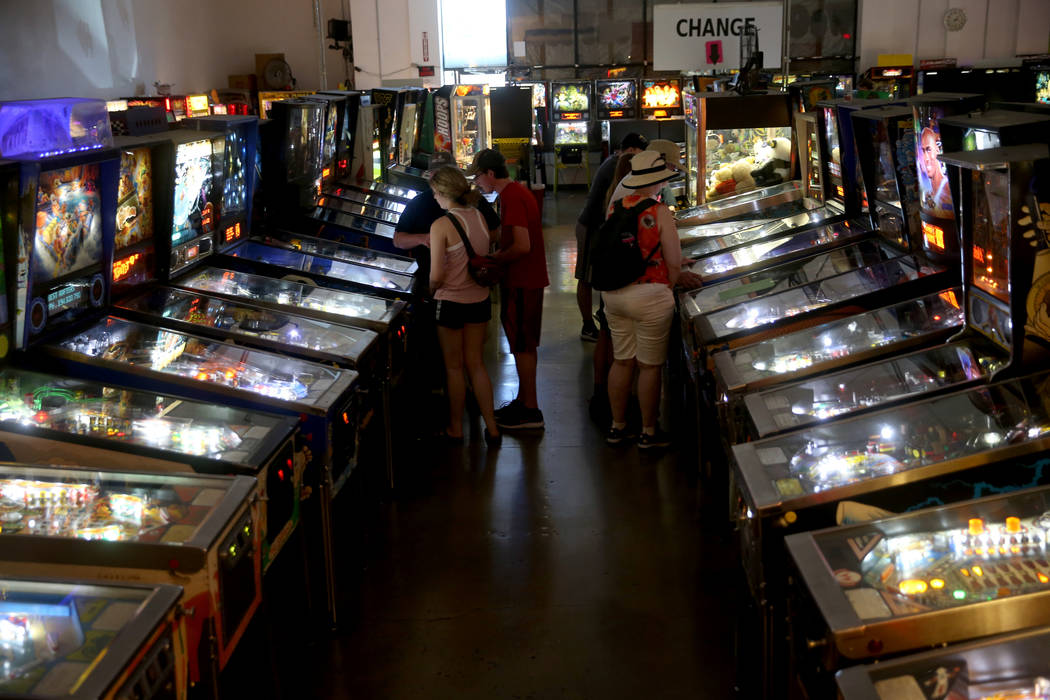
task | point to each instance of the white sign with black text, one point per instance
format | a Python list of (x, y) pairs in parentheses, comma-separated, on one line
[(707, 36)]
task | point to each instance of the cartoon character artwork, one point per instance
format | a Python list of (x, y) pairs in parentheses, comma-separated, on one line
[(193, 210), (1037, 216), (134, 198), (67, 223)]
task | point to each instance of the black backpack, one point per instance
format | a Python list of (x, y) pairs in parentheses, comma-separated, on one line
[(615, 257)]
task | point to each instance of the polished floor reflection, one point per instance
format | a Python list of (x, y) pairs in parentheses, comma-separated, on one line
[(555, 567)]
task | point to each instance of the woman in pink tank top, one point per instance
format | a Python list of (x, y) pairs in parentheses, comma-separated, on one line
[(462, 308)]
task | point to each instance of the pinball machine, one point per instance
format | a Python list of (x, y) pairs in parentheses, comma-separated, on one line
[(334, 149), (461, 124), (197, 532), (957, 446), (1003, 666), (66, 323), (615, 99), (51, 419), (660, 98), (940, 240), (1000, 189), (571, 113), (95, 640), (964, 572), (979, 131)]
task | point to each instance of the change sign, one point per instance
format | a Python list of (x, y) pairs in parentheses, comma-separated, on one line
[(707, 36)]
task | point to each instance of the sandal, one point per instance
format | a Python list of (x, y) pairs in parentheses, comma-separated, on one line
[(493, 440)]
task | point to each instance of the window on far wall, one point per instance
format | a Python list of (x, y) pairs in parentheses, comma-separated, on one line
[(473, 33)]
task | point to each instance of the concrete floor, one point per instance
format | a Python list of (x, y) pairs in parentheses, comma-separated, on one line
[(555, 567)]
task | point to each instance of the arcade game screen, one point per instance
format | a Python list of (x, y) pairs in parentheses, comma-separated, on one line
[(134, 198), (234, 173), (570, 133), (661, 94), (570, 97), (79, 407), (194, 212), (68, 223), (616, 95), (881, 328), (1042, 87), (980, 140), (53, 634)]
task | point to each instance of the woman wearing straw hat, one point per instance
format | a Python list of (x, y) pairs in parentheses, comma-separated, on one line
[(640, 314)]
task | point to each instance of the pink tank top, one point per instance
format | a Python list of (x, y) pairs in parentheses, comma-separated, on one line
[(458, 286)]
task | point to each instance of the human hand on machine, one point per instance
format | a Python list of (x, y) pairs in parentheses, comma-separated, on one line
[(689, 280)]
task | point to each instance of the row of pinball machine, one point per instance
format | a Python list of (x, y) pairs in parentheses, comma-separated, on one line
[(865, 369), (205, 331)]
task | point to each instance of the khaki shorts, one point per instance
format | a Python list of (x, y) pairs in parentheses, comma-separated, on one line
[(640, 321)]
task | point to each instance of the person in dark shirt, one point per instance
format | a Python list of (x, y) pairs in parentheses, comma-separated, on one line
[(412, 231), (590, 219)]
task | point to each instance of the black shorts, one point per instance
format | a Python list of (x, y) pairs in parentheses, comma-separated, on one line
[(453, 314)]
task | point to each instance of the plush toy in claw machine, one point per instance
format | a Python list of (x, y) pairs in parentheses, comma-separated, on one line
[(768, 164)]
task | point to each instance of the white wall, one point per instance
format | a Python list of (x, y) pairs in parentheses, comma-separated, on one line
[(390, 51), (110, 48), (996, 30)]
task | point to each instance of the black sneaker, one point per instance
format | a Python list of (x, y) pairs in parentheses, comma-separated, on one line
[(657, 440), (520, 417), (589, 333), (616, 436), (509, 408)]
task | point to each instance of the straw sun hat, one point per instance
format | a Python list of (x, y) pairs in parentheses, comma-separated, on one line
[(648, 168)]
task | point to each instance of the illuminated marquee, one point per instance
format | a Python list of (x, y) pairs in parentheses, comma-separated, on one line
[(934, 235), (121, 268)]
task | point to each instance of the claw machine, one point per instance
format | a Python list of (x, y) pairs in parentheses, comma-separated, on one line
[(194, 531), (91, 639), (915, 582), (1010, 665), (743, 162), (987, 439)]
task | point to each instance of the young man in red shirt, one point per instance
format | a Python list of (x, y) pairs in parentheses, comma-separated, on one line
[(521, 294)]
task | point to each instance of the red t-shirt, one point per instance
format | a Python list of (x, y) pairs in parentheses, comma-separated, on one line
[(518, 208)]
